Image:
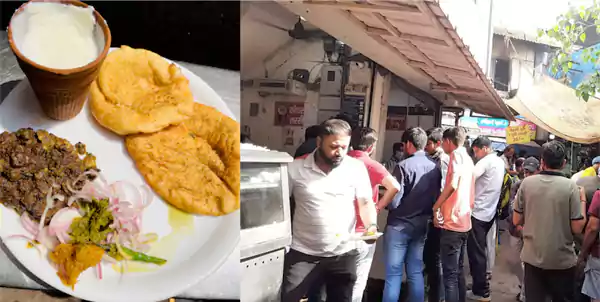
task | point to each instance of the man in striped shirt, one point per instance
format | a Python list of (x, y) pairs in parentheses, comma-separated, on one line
[(325, 185)]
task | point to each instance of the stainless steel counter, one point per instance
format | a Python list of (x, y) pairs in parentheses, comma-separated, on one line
[(225, 282)]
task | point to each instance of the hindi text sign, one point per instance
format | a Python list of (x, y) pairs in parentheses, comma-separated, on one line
[(289, 113), (518, 134)]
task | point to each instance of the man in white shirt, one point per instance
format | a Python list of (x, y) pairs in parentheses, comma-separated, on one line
[(489, 175), (325, 185)]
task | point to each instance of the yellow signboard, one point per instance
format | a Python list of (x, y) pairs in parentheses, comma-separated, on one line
[(518, 134)]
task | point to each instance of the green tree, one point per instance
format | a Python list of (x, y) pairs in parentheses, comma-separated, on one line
[(569, 31)]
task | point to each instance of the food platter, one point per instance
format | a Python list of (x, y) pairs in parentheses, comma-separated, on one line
[(192, 254), (364, 236)]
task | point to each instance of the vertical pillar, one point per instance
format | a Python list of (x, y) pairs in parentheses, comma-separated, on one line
[(379, 105)]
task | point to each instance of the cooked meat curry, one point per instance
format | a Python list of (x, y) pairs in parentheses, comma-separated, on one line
[(32, 162)]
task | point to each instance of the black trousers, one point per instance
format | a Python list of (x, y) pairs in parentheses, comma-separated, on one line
[(301, 271), (433, 265), (477, 252), (452, 251), (556, 284)]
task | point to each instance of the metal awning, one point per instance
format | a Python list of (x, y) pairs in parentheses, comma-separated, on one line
[(555, 107), (525, 36), (414, 40)]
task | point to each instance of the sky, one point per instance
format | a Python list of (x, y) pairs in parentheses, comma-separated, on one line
[(529, 15)]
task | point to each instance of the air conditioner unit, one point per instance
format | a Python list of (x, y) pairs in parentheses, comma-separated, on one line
[(277, 87)]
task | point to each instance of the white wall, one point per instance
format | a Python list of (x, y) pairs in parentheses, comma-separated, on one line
[(258, 40), (258, 44), (471, 18), (262, 129), (400, 98), (522, 57)]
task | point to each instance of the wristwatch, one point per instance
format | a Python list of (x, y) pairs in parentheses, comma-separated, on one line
[(372, 225)]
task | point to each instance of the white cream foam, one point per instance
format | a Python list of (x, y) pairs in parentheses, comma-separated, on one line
[(57, 35)]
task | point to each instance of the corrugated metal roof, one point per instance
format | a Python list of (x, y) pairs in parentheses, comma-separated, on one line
[(525, 36)]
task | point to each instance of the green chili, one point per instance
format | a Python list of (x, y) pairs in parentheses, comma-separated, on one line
[(141, 257)]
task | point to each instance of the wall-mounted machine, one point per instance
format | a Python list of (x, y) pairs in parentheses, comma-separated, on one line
[(267, 87), (331, 80)]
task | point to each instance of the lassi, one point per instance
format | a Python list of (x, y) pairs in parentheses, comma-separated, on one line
[(56, 35)]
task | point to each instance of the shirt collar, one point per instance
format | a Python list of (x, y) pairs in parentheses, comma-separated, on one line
[(553, 173), (358, 154), (309, 161), (419, 153)]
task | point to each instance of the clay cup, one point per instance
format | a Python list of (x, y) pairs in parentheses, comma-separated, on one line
[(62, 92)]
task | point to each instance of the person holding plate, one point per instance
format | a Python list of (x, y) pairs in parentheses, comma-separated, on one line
[(363, 142), (325, 185)]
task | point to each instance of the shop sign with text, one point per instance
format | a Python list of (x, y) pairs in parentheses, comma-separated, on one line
[(289, 113), (520, 134)]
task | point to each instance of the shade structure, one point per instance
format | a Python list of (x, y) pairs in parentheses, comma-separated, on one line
[(556, 108)]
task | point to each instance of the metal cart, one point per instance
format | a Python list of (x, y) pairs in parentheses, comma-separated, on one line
[(265, 222)]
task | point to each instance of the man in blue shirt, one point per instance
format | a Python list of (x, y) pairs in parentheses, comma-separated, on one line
[(409, 214)]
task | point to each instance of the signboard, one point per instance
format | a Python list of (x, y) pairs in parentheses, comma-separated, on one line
[(520, 134), (531, 126), (404, 111), (395, 123), (492, 122), (497, 127), (289, 114), (487, 125), (354, 108)]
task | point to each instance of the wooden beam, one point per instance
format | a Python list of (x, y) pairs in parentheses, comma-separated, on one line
[(377, 31), (364, 7), (403, 22), (459, 90), (392, 29), (405, 59), (337, 23), (446, 69), (405, 36), (423, 96), (350, 17), (389, 26), (490, 92)]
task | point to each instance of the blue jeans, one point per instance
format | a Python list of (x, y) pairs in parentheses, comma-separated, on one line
[(404, 247), (453, 246)]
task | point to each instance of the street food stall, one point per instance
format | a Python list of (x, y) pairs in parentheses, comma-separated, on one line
[(265, 221)]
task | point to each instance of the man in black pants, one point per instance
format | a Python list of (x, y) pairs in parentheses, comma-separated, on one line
[(549, 208), (326, 184), (431, 252), (489, 175), (452, 213)]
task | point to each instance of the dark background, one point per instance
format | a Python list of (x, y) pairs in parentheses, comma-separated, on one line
[(200, 32)]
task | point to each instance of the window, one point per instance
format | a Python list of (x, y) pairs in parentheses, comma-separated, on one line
[(501, 74)]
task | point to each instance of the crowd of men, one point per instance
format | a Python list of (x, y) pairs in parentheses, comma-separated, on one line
[(443, 202)]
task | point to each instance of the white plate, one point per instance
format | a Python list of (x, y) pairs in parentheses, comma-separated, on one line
[(197, 255), (367, 237)]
